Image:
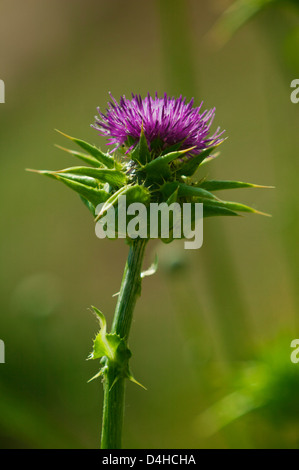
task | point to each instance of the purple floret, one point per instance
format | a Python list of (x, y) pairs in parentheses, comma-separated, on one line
[(168, 121)]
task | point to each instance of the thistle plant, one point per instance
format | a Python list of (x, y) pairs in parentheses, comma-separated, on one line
[(158, 147)]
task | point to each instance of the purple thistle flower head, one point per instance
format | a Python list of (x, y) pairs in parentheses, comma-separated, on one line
[(165, 122)]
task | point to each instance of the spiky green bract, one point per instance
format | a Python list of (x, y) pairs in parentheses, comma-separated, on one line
[(146, 175), (172, 177)]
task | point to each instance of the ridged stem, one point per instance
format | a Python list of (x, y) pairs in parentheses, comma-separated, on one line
[(114, 386)]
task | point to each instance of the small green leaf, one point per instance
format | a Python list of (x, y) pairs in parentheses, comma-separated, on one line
[(234, 206), (115, 351), (85, 189), (95, 196), (111, 201), (133, 194), (141, 153), (102, 157), (216, 185), (159, 167), (171, 156), (113, 177), (185, 190), (101, 318), (105, 344), (86, 180), (82, 156), (190, 165), (212, 211)]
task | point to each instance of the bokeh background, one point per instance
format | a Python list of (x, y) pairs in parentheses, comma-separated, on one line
[(212, 331)]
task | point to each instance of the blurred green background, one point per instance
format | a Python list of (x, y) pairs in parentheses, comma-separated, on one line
[(212, 331)]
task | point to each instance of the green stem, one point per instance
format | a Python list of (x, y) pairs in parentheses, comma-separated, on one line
[(114, 388)]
